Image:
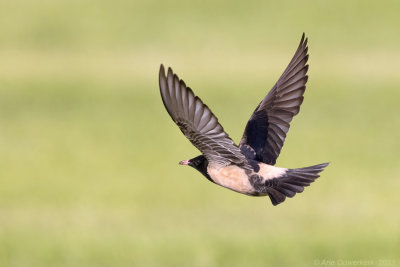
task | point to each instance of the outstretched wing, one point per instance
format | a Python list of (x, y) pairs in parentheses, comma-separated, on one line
[(266, 130), (197, 122)]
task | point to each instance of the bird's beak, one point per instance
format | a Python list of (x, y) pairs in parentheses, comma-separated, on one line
[(184, 162)]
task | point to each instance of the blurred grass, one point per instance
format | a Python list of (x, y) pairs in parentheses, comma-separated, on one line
[(88, 160)]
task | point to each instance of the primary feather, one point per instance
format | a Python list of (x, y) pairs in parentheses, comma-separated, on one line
[(266, 130), (197, 122)]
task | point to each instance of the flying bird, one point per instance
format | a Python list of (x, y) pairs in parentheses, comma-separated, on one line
[(247, 168)]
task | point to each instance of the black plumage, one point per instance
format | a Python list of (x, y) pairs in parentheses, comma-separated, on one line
[(266, 130), (197, 122)]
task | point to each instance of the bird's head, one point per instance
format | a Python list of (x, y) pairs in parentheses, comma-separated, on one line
[(197, 162), (200, 163)]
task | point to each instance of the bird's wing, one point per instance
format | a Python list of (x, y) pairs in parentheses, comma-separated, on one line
[(266, 130), (197, 122)]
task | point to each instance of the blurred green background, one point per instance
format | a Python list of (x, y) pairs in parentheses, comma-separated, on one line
[(88, 154)]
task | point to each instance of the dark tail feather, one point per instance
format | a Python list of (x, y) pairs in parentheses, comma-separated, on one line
[(292, 182)]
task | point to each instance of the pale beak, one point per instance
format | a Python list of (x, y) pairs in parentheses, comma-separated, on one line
[(184, 162)]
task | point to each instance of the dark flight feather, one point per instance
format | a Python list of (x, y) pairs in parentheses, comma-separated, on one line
[(266, 130), (292, 182), (198, 123)]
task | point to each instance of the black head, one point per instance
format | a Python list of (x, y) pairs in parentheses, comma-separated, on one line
[(200, 163)]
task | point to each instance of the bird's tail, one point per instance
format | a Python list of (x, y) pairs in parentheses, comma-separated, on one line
[(294, 182)]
